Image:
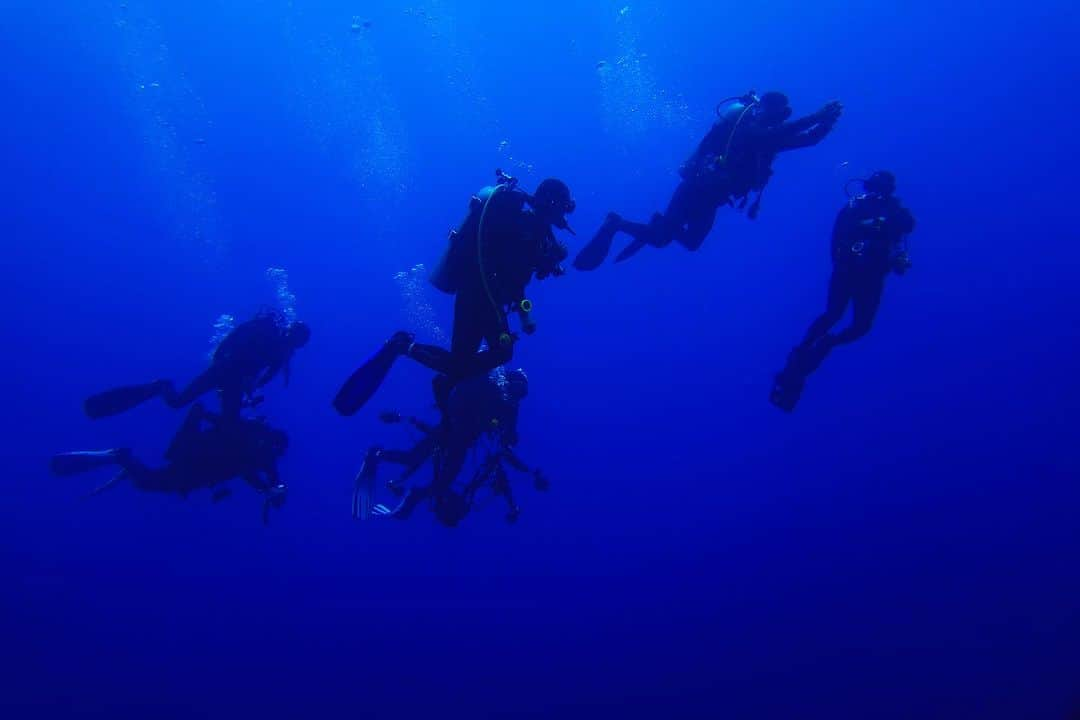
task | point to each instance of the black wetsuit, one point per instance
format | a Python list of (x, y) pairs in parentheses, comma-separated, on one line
[(248, 358), (477, 407), (204, 453), (493, 273), (868, 241), (753, 148), (733, 160)]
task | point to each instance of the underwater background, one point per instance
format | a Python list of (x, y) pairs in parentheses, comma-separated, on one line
[(904, 545)]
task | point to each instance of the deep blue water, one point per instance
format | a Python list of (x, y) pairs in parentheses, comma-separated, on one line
[(903, 546)]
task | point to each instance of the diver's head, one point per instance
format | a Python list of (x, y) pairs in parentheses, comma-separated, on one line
[(298, 335), (517, 385), (450, 508), (553, 202), (881, 183), (773, 109)]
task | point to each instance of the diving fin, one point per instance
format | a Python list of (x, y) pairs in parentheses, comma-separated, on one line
[(119, 400), (630, 250), (105, 486), (361, 386), (594, 254), (786, 391), (76, 463), (364, 486)]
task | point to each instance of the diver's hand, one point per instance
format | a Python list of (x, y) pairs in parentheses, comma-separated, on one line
[(830, 113), (901, 264)]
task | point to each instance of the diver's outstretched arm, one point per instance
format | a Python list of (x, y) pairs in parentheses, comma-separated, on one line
[(809, 138), (809, 130)]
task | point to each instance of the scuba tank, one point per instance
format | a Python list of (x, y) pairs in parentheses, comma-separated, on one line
[(461, 255), (731, 111), (469, 254), (724, 107)]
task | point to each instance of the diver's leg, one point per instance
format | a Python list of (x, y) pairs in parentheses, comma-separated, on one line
[(76, 463), (479, 321), (500, 350), (420, 454), (867, 300), (840, 294), (450, 462), (231, 395), (405, 508), (432, 357), (806, 357), (204, 383), (473, 313), (467, 334), (699, 224), (690, 214), (182, 439), (645, 232), (809, 356), (663, 227), (865, 293), (414, 456), (659, 232)]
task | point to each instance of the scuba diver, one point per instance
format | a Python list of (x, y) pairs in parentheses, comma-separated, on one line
[(247, 359), (503, 242), (206, 452), (479, 408), (869, 240), (734, 160)]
